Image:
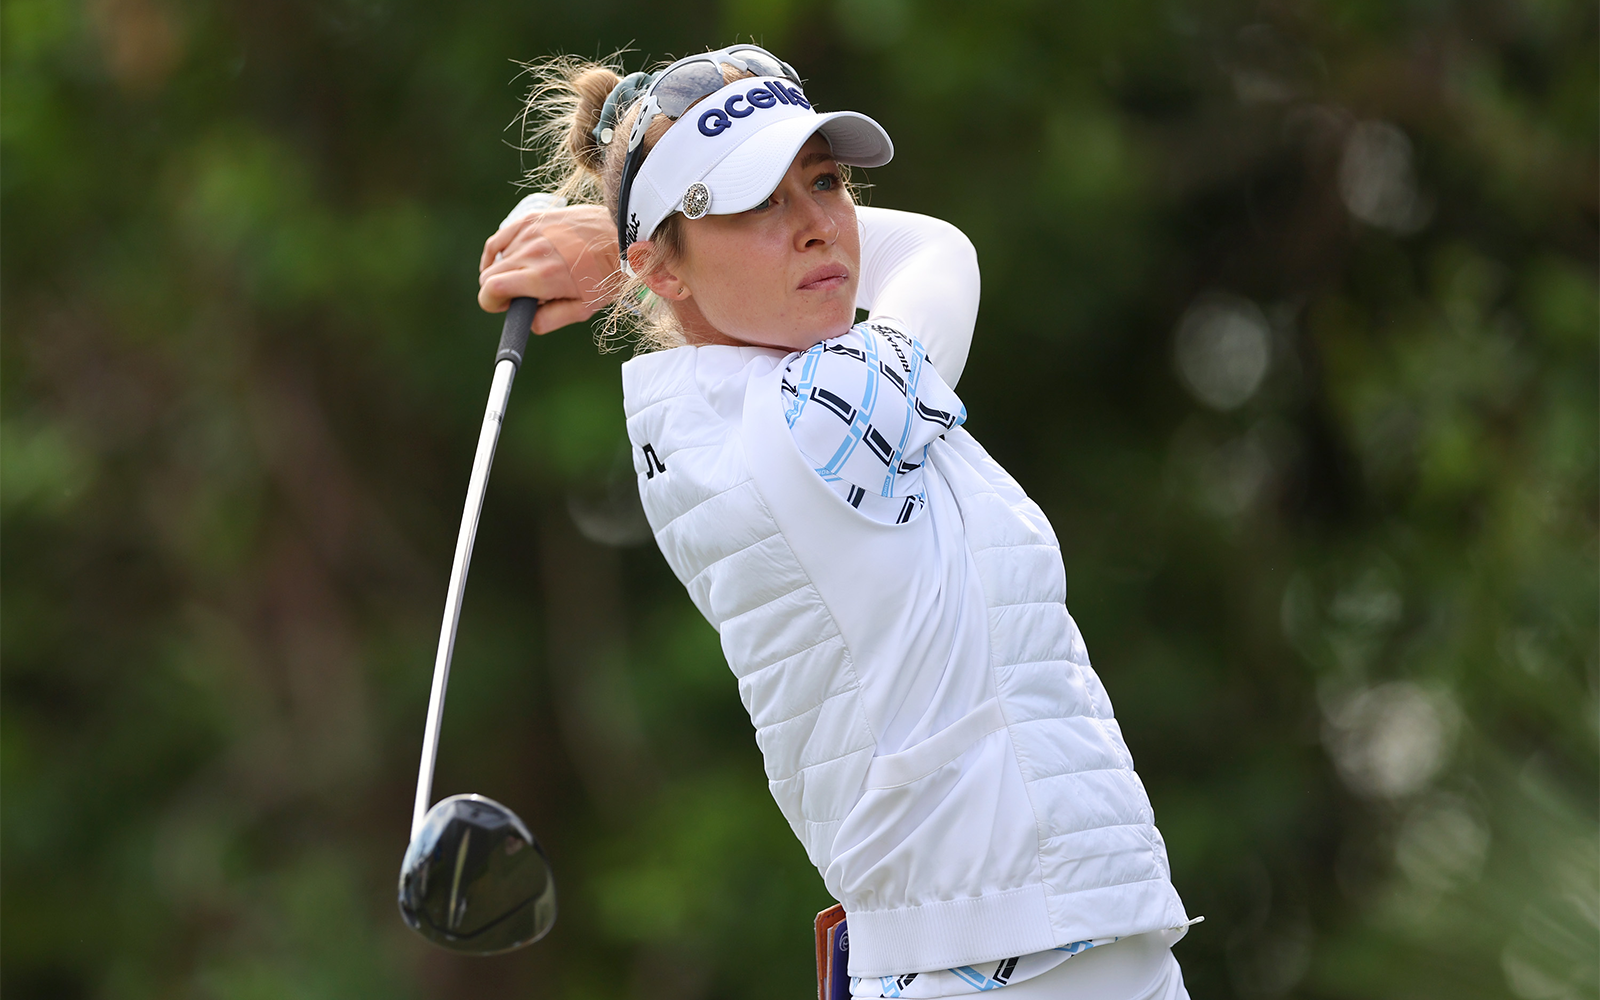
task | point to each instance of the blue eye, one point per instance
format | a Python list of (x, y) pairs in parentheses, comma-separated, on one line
[(827, 182)]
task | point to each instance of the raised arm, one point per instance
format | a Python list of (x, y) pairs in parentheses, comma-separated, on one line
[(920, 274), (917, 272)]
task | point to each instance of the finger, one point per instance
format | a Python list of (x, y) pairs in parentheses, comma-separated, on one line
[(562, 312), (539, 254), (528, 226), (490, 303), (506, 237), (544, 278), (497, 243), (521, 253), (543, 281)]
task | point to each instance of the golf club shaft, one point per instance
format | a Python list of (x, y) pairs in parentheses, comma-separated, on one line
[(513, 342)]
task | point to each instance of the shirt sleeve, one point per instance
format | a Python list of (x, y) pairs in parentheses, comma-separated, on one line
[(920, 274), (863, 409)]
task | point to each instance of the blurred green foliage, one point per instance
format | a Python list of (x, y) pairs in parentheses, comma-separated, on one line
[(1289, 323)]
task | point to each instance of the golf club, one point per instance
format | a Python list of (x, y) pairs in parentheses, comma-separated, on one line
[(474, 880)]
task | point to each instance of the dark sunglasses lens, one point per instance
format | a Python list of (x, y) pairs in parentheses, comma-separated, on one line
[(681, 87), (760, 62), (475, 881)]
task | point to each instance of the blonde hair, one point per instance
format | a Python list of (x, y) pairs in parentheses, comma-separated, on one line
[(558, 122)]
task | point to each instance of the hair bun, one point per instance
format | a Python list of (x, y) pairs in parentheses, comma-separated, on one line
[(591, 87)]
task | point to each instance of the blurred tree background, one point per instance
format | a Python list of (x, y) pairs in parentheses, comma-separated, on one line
[(1290, 324)]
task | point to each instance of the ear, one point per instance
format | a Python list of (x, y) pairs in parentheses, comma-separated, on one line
[(660, 280)]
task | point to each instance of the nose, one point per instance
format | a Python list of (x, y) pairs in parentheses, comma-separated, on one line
[(814, 224)]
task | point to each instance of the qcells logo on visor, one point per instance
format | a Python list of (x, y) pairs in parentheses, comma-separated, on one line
[(718, 120)]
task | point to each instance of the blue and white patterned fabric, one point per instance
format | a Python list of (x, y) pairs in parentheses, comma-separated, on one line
[(863, 408), (968, 979)]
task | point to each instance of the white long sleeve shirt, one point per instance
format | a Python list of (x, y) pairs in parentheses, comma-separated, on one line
[(920, 275), (931, 726)]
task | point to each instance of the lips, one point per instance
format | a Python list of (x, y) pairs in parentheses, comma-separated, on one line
[(824, 277)]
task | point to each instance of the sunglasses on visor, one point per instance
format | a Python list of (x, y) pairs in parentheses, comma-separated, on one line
[(673, 92)]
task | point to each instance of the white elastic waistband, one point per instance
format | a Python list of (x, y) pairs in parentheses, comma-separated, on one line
[(917, 938)]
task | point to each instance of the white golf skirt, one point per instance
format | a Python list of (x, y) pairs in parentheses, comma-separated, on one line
[(1135, 968)]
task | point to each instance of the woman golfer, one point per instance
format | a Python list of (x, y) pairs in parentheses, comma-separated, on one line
[(890, 600)]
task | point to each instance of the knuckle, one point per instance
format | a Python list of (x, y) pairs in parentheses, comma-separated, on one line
[(548, 269)]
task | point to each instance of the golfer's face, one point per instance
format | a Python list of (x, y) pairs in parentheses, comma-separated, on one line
[(784, 273)]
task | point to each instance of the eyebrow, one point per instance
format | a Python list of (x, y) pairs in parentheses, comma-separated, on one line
[(815, 156)]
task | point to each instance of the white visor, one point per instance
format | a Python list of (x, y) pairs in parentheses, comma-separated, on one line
[(733, 147)]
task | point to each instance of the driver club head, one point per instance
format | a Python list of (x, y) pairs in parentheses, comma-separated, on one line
[(475, 881)]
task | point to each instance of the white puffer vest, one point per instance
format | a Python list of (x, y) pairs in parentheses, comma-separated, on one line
[(1018, 827)]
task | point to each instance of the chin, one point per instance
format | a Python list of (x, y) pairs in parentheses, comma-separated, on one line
[(838, 324)]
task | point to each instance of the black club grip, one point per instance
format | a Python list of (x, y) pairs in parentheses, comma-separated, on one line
[(514, 335)]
